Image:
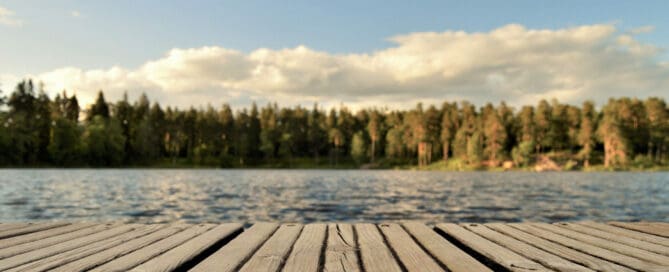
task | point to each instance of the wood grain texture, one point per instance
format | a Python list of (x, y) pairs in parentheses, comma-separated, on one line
[(589, 249), (100, 258), (375, 254), (54, 261), (448, 254), (234, 254), (607, 244), (178, 256), (558, 249), (409, 246), (8, 242), (306, 253), (26, 247), (341, 252), (29, 229), (9, 226), (137, 257), (654, 229), (272, 255), (659, 249), (627, 232), (531, 252), (410, 254), (41, 253), (498, 254)]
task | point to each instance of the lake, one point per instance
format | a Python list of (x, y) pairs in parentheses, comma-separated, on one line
[(329, 195)]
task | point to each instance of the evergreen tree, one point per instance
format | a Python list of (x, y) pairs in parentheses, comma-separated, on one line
[(374, 131), (449, 126), (474, 149), (42, 123), (542, 126), (227, 134), (21, 126), (104, 142), (123, 112), (611, 133), (99, 108), (586, 134), (358, 147), (394, 141), (64, 148), (495, 137), (72, 109), (254, 130), (316, 133), (525, 120), (658, 127)]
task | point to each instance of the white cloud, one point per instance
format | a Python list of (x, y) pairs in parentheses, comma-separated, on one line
[(510, 63), (75, 14), (7, 18)]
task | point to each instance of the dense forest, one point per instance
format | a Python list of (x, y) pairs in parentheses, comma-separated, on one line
[(36, 130)]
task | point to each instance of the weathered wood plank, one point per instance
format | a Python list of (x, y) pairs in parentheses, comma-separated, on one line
[(5, 243), (51, 262), (611, 245), (375, 254), (589, 249), (502, 256), (95, 260), (41, 253), (53, 240), (306, 253), (627, 232), (234, 254), (409, 253), (180, 255), (341, 251), (644, 227), (9, 226), (272, 255), (137, 257), (536, 254), (29, 229), (617, 238), (448, 254), (560, 250)]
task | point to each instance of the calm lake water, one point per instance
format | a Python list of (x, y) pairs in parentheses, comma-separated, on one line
[(324, 195)]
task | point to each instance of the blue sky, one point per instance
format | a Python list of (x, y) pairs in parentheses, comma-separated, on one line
[(48, 35)]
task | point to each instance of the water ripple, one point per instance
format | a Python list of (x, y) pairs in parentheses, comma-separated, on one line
[(315, 195)]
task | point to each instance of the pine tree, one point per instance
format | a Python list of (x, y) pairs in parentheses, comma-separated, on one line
[(99, 108), (316, 133), (374, 130), (658, 127), (358, 147), (449, 126), (542, 126), (495, 137), (610, 132), (586, 134)]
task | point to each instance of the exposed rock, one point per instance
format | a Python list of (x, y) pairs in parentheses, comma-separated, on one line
[(507, 165), (544, 163)]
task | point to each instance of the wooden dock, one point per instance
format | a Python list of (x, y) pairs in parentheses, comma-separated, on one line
[(410, 246)]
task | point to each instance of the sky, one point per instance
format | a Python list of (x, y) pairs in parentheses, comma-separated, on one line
[(360, 53)]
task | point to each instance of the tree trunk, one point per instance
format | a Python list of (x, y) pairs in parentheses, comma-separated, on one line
[(373, 150)]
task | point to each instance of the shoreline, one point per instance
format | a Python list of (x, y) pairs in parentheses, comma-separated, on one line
[(403, 168)]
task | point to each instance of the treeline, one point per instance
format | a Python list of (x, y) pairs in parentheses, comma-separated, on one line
[(36, 130)]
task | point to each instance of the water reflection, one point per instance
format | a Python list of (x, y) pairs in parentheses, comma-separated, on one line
[(308, 196)]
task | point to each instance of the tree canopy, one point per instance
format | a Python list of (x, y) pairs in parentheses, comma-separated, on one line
[(36, 130)]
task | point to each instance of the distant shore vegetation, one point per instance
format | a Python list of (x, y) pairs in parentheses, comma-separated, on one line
[(624, 134)]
